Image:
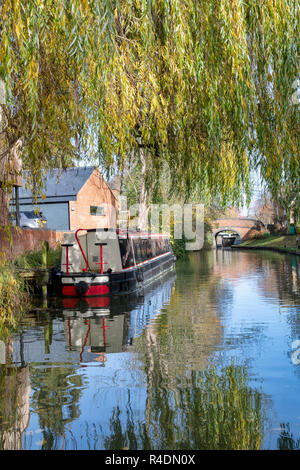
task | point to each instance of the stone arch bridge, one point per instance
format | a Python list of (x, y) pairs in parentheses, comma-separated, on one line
[(245, 228)]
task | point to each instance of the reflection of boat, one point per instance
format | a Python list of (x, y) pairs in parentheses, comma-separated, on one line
[(112, 327), (100, 334), (108, 262), (228, 240)]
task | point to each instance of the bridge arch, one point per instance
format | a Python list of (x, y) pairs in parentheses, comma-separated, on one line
[(227, 229), (244, 227)]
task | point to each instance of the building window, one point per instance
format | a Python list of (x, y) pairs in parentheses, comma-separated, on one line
[(97, 210)]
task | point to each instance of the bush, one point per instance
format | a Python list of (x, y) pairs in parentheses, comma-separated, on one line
[(178, 247), (33, 259), (14, 299)]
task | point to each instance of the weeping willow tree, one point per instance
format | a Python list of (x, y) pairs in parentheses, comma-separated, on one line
[(44, 63), (204, 87)]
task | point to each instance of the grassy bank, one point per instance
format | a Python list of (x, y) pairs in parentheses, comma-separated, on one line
[(14, 298), (281, 243)]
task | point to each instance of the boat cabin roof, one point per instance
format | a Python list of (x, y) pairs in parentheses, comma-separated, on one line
[(121, 233)]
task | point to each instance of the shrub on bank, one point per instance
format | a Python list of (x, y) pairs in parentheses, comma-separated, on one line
[(178, 245), (33, 259), (14, 299)]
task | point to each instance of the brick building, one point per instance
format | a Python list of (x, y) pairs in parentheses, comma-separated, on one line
[(75, 198)]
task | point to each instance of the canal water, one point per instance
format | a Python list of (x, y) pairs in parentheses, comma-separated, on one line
[(208, 358)]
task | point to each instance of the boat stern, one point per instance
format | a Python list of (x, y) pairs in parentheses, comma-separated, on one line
[(85, 284)]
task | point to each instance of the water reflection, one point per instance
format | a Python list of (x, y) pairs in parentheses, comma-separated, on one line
[(286, 440), (203, 360), (95, 326), (14, 406), (55, 345), (215, 411)]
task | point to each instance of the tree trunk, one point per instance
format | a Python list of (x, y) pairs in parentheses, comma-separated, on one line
[(142, 223)]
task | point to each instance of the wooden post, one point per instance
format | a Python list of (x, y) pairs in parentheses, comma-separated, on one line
[(48, 336), (17, 206), (45, 258)]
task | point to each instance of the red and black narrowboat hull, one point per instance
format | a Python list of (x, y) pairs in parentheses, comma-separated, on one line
[(89, 284)]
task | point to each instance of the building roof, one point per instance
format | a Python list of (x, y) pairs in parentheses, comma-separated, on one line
[(60, 185), (115, 183)]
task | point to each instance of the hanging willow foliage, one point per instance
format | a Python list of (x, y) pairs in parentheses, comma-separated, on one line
[(203, 85)]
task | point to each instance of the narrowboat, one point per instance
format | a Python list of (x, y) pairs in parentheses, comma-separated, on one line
[(104, 262), (228, 240)]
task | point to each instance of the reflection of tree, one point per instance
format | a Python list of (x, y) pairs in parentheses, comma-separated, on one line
[(187, 331), (282, 275), (213, 411), (195, 407), (56, 392), (14, 406), (190, 405), (282, 283), (286, 439), (119, 439)]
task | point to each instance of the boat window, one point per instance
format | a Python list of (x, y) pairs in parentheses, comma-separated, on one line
[(142, 248), (137, 250), (169, 245), (162, 246), (126, 253), (157, 247), (149, 249), (145, 249), (153, 247)]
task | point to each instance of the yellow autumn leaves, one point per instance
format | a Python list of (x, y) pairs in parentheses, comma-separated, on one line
[(184, 79)]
